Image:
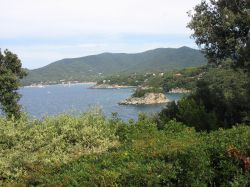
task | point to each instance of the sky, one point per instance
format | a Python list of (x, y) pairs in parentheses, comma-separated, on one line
[(43, 31)]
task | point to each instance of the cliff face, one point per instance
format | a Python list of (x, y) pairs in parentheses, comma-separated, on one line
[(149, 98)]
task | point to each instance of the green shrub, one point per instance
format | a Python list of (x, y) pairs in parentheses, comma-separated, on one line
[(173, 156), (90, 150), (140, 92), (37, 147)]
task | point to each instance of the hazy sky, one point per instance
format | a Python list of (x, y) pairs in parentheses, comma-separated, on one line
[(42, 31)]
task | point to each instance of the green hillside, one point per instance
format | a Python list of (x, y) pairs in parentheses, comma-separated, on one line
[(96, 66)]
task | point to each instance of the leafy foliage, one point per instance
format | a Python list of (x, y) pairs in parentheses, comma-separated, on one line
[(221, 99), (222, 30), (90, 150), (10, 75), (185, 78), (147, 156), (35, 148)]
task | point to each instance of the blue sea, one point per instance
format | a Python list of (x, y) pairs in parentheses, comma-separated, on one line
[(74, 99)]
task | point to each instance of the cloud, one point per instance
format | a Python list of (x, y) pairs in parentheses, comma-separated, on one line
[(42, 31), (69, 17)]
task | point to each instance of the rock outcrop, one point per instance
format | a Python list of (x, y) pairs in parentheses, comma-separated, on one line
[(147, 99), (110, 86), (179, 90)]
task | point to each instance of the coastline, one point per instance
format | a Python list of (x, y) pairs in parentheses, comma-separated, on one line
[(63, 84)]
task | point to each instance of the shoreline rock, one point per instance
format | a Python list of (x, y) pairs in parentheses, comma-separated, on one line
[(110, 86), (148, 99), (179, 90)]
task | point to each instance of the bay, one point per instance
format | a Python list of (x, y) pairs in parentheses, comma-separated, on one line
[(77, 98)]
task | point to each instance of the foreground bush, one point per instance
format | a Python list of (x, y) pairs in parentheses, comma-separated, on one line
[(93, 151), (174, 156), (29, 148)]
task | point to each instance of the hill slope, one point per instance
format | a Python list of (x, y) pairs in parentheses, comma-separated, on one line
[(94, 66)]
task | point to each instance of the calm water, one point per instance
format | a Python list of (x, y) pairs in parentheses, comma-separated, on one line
[(56, 99)]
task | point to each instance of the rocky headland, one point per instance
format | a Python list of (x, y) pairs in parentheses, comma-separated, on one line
[(147, 99)]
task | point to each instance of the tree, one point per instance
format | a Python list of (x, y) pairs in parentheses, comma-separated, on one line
[(10, 75), (222, 30)]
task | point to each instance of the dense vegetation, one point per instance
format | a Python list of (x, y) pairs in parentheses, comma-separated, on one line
[(94, 67), (203, 140), (134, 79), (141, 91), (10, 75), (185, 78), (221, 29), (32, 148), (221, 99), (90, 150)]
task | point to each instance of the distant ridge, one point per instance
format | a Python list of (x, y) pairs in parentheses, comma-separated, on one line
[(91, 67)]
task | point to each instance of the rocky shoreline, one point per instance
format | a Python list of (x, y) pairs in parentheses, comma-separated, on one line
[(147, 99), (110, 86), (179, 90)]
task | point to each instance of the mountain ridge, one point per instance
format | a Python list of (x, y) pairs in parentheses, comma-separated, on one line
[(92, 67)]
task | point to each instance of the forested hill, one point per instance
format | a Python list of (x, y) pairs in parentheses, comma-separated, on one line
[(91, 67)]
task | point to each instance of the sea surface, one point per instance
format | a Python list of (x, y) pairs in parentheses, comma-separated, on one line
[(77, 98)]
